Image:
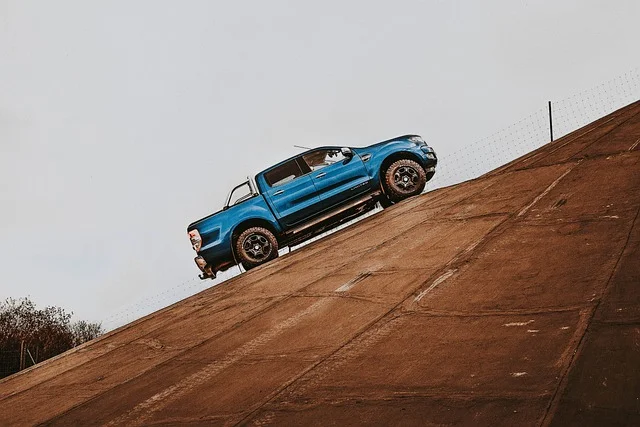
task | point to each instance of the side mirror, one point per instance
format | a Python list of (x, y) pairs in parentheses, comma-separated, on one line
[(346, 151)]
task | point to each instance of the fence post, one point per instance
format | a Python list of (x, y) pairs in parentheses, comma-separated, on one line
[(550, 122), (31, 357), (21, 355)]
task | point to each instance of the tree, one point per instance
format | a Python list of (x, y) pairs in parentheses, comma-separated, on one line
[(29, 335), (84, 331)]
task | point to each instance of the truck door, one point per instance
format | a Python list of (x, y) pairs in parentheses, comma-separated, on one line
[(291, 192), (337, 178)]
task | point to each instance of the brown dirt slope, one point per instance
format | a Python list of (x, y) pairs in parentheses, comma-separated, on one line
[(512, 299)]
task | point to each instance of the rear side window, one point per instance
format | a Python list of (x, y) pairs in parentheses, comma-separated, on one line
[(283, 173)]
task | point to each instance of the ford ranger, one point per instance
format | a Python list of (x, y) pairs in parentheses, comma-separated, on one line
[(305, 195)]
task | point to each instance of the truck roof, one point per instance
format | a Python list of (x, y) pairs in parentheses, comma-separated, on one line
[(397, 138)]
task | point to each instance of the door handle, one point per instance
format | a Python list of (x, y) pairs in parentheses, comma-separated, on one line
[(321, 174), (278, 192)]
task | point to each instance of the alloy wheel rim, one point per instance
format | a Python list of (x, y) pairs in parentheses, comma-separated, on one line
[(406, 178), (257, 247)]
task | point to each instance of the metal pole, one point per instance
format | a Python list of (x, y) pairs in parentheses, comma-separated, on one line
[(550, 122), (29, 353), (21, 355)]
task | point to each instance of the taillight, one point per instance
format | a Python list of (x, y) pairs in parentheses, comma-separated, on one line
[(200, 262), (196, 240)]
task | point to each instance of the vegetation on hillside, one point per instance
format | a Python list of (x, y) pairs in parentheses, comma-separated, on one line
[(29, 335)]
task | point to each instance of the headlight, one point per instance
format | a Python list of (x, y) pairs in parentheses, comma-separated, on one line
[(196, 240), (427, 150), (417, 140)]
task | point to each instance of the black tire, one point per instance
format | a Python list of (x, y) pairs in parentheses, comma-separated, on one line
[(255, 246), (403, 178), (385, 202)]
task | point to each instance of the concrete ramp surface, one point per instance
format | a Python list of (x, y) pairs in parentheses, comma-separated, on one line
[(512, 299)]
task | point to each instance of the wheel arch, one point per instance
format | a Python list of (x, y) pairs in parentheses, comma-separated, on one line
[(388, 161), (253, 222), (399, 155)]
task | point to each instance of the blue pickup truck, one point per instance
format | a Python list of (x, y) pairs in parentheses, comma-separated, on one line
[(306, 195)]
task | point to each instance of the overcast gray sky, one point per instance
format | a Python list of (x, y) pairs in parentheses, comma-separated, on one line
[(123, 121)]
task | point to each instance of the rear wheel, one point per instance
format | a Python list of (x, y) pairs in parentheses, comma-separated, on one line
[(404, 178), (255, 246)]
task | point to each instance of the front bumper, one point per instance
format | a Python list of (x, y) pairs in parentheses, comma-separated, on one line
[(430, 172), (430, 161)]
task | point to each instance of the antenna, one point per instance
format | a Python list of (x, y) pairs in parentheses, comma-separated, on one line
[(300, 146)]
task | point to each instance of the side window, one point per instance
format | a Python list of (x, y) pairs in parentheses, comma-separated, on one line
[(321, 158), (283, 173)]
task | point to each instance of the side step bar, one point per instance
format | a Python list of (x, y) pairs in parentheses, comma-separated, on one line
[(334, 212)]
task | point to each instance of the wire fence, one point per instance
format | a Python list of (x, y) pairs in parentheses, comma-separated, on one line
[(488, 153), (12, 361), (9, 362), (470, 161), (584, 107), (532, 132), (163, 299)]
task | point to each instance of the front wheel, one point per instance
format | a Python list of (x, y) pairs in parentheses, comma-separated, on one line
[(255, 246), (385, 202), (404, 178)]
